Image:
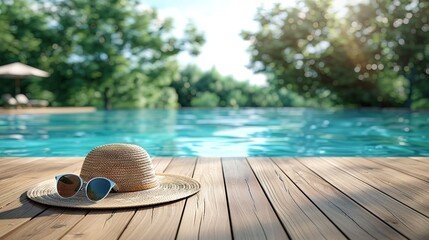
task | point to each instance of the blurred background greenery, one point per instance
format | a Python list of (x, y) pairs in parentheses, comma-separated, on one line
[(111, 54)]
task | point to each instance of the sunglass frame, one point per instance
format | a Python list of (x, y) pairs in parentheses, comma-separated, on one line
[(82, 183)]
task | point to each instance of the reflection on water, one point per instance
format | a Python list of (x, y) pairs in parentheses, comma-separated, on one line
[(220, 132)]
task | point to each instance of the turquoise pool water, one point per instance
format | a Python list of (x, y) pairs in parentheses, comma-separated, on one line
[(220, 132)]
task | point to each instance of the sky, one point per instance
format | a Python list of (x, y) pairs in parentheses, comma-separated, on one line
[(221, 21)]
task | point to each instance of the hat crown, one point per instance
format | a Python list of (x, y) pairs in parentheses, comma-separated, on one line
[(128, 165)]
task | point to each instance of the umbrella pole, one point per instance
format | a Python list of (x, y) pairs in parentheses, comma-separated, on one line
[(17, 88)]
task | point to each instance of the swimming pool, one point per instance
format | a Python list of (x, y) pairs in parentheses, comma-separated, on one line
[(221, 132)]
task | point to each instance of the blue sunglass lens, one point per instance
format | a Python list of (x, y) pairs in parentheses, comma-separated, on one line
[(97, 189)]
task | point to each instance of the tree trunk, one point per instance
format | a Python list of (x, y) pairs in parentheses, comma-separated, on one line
[(106, 99)]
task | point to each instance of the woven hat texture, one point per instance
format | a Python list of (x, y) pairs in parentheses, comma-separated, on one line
[(129, 166)]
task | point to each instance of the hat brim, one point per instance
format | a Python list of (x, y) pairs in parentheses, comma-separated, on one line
[(171, 188)]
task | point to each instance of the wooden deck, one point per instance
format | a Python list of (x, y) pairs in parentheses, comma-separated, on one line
[(47, 110), (241, 198)]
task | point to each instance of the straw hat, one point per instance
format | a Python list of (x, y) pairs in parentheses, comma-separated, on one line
[(130, 167)]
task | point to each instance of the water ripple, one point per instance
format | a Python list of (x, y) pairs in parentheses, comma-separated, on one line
[(221, 132)]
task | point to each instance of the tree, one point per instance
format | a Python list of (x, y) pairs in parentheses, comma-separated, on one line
[(196, 88), (25, 37), (107, 52), (309, 50), (184, 84), (205, 100), (120, 52), (398, 30)]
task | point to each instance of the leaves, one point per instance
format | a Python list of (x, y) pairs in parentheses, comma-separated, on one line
[(103, 53), (196, 88), (315, 53)]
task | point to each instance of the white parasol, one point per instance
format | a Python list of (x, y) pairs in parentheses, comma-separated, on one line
[(18, 70)]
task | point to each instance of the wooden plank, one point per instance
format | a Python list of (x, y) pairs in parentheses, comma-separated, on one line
[(101, 225), (108, 224), (353, 220), (405, 165), (35, 166), (6, 161), (17, 213), (48, 110), (14, 168), (252, 216), (14, 160), (404, 219), (161, 221), (409, 190), (20, 210), (51, 224), (56, 221), (206, 215), (423, 160), (14, 187), (161, 163), (38, 169), (301, 218)]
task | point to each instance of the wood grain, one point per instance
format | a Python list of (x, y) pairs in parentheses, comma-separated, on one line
[(55, 221), (15, 168), (103, 225), (7, 161), (18, 209), (206, 215), (422, 160), (351, 218), (13, 188), (253, 199), (161, 163), (402, 218), (35, 168), (299, 215), (161, 221), (108, 224), (17, 213), (409, 190), (404, 165), (252, 216), (50, 224)]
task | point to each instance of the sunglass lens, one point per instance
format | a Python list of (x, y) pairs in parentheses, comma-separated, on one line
[(97, 189), (68, 185)]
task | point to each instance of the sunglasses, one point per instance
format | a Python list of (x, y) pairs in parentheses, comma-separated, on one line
[(96, 189)]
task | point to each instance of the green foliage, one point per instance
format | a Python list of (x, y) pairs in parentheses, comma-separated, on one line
[(110, 53), (205, 100), (196, 88), (347, 61), (24, 37), (102, 53), (398, 31), (185, 84)]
